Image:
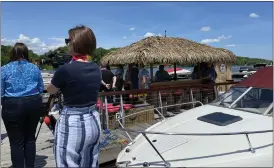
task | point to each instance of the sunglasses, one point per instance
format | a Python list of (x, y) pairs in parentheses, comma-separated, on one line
[(67, 41)]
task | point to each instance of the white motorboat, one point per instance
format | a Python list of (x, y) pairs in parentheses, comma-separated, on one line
[(235, 130), (181, 73)]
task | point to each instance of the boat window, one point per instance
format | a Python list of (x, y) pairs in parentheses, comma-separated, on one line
[(256, 100), (229, 97)]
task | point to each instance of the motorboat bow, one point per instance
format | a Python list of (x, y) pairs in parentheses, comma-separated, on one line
[(235, 130)]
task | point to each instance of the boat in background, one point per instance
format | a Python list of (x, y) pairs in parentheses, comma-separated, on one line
[(246, 71), (235, 130), (181, 73)]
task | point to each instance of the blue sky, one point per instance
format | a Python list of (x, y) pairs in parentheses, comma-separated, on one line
[(242, 27)]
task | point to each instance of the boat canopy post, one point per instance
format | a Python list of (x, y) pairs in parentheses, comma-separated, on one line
[(175, 73), (151, 72)]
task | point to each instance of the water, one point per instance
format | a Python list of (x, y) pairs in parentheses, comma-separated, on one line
[(234, 69)]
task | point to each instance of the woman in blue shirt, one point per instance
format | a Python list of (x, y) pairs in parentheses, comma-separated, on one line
[(21, 89)]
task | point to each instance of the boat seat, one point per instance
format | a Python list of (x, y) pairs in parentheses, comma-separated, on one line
[(108, 105), (126, 106), (178, 92), (113, 110), (164, 93)]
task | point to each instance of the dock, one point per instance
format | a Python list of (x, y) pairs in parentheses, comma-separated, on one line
[(45, 140)]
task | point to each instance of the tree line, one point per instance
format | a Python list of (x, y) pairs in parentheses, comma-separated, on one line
[(100, 52)]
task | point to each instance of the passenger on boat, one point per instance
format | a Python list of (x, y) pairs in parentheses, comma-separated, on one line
[(132, 76), (204, 70), (195, 73), (78, 129), (162, 75), (119, 74), (119, 83), (21, 89), (108, 81), (211, 74), (143, 77)]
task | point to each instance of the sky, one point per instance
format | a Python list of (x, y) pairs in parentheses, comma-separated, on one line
[(245, 28)]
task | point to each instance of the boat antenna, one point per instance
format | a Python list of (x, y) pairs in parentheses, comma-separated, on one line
[(165, 33)]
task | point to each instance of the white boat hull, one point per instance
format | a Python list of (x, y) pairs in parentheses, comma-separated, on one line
[(204, 151)]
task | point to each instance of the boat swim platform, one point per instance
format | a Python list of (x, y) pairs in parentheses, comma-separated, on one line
[(45, 140)]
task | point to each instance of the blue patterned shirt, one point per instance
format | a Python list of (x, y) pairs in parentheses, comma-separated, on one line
[(20, 79)]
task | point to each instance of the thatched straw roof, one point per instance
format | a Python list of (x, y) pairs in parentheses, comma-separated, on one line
[(167, 50)]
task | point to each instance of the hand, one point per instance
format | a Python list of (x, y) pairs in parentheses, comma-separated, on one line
[(107, 86)]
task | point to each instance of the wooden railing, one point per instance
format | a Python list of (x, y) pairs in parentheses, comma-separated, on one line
[(167, 87)]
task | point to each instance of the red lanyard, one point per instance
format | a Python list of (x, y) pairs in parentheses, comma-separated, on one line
[(77, 57)]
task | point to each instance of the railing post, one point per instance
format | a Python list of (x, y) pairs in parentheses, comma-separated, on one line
[(102, 114), (216, 90), (161, 103), (191, 97), (106, 111), (252, 150), (122, 109)]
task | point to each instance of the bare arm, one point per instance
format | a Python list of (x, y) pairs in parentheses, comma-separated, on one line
[(58, 81), (104, 84), (51, 89), (114, 82)]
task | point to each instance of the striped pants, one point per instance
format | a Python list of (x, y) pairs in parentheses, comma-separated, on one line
[(77, 134)]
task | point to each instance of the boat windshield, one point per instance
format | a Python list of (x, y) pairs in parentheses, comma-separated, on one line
[(254, 100)]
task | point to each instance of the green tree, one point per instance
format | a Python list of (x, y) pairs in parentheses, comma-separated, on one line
[(100, 52)]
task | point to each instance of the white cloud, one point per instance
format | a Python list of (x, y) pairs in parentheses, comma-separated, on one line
[(253, 15), (205, 28), (231, 45), (223, 37), (149, 34), (216, 40), (124, 37), (35, 44), (57, 39), (206, 41), (132, 29)]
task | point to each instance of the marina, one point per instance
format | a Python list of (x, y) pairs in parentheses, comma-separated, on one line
[(134, 111)]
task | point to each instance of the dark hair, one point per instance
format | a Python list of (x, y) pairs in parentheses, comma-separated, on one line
[(19, 51), (161, 66), (108, 67), (82, 41)]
